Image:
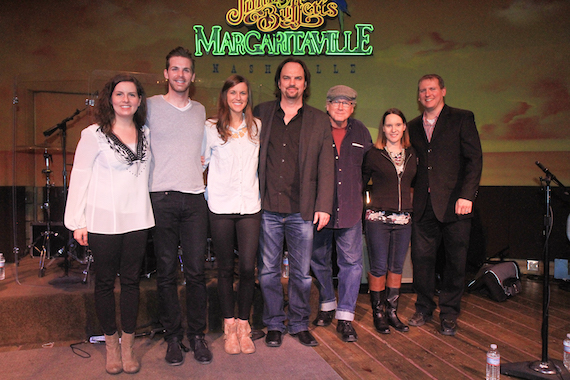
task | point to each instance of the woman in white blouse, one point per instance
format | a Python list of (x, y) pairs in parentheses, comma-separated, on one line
[(109, 209), (231, 150)]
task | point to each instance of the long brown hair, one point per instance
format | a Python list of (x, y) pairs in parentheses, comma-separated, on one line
[(223, 122), (381, 140), (104, 111)]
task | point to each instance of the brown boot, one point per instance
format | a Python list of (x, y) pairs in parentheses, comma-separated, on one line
[(130, 362), (113, 365), (231, 346), (244, 337)]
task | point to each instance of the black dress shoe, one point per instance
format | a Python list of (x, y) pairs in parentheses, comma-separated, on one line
[(448, 327), (347, 332), (419, 319), (202, 353), (324, 318), (257, 334), (274, 338), (306, 338), (174, 352)]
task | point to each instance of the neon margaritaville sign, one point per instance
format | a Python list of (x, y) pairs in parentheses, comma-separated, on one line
[(283, 27)]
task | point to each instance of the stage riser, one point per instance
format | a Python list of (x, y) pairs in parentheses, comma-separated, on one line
[(39, 319)]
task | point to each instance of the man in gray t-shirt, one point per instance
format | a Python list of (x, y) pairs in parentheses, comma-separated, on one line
[(176, 185)]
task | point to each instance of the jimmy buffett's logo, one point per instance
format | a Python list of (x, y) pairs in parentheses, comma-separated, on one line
[(284, 27)]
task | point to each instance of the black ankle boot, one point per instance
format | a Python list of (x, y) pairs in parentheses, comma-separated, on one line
[(391, 309), (378, 300)]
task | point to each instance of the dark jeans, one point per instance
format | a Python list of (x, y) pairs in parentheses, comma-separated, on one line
[(387, 246), (180, 218), (225, 228), (121, 254), (427, 235)]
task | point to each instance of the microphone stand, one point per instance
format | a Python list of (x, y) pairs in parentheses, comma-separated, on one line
[(545, 368), (63, 127)]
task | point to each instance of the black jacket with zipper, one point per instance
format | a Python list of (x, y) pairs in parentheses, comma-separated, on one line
[(390, 191)]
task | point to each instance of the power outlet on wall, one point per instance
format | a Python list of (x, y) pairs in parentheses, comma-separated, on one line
[(532, 265)]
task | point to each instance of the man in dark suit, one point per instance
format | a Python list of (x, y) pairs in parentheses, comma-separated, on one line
[(449, 169), (296, 178)]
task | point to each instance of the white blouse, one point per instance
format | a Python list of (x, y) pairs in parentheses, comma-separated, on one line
[(233, 182), (108, 189)]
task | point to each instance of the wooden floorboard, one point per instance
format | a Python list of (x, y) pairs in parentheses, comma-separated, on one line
[(423, 353)]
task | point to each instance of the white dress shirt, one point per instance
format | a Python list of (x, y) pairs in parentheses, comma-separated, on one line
[(233, 182)]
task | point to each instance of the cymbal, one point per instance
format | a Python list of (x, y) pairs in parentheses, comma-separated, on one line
[(39, 149)]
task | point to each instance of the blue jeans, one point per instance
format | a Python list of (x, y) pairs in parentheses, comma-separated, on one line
[(387, 246), (349, 259), (180, 218), (299, 235)]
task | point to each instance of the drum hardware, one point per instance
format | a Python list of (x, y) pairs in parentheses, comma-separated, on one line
[(210, 253), (88, 261), (69, 249), (46, 236)]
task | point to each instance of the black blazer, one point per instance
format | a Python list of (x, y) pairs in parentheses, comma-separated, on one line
[(316, 159), (449, 166)]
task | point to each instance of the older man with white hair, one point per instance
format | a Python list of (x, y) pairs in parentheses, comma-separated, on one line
[(351, 141)]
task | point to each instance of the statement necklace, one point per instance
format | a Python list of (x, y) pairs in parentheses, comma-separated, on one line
[(239, 133), (397, 158)]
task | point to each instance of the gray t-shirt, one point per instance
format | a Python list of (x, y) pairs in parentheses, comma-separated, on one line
[(176, 143)]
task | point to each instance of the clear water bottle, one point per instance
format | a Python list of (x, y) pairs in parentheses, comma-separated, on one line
[(2, 267), (566, 359), (493, 363), (285, 270)]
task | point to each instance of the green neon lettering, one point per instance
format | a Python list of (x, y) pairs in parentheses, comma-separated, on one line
[(254, 42), (227, 43), (363, 39), (282, 43), (255, 49), (296, 37), (268, 44), (202, 40)]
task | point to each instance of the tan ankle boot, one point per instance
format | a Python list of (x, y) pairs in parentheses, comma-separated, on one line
[(231, 346), (244, 337), (113, 365), (130, 362)]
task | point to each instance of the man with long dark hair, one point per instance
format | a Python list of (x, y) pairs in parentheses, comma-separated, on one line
[(296, 174)]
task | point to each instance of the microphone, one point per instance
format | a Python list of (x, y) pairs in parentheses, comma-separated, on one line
[(546, 171), (552, 176)]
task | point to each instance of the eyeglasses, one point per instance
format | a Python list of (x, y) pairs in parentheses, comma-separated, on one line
[(344, 103)]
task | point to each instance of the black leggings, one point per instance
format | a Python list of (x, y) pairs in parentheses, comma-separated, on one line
[(121, 254), (224, 229)]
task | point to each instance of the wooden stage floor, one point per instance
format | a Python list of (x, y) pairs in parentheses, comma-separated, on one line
[(421, 353)]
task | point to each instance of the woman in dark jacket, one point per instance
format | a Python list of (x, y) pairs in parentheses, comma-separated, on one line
[(391, 164)]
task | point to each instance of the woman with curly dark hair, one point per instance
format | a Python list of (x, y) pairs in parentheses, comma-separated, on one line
[(109, 209), (231, 150)]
